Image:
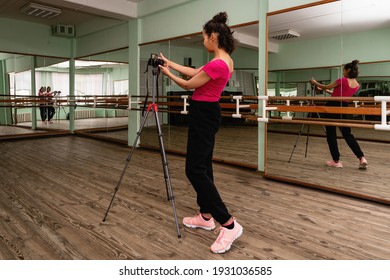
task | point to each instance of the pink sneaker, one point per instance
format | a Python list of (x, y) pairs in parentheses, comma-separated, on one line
[(226, 238), (198, 222), (363, 163), (332, 163)]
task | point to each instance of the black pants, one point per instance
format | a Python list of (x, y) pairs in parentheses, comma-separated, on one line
[(43, 112), (204, 122), (331, 134), (50, 112)]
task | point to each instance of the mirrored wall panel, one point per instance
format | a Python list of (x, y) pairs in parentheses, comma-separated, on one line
[(101, 81), (22, 77), (315, 42), (236, 141)]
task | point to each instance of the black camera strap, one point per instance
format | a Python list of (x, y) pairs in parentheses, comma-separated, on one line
[(157, 69)]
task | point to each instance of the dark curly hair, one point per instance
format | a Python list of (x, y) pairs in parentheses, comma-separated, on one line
[(353, 69), (218, 25)]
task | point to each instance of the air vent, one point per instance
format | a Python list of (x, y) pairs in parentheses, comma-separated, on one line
[(38, 10), (63, 30), (284, 35)]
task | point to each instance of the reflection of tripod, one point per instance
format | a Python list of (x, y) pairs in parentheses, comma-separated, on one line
[(308, 115), (154, 108)]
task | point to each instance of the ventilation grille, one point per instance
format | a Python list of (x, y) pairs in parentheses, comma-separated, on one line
[(84, 114), (284, 35), (42, 11), (23, 117), (63, 30)]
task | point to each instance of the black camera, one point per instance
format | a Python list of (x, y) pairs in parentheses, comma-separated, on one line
[(155, 61)]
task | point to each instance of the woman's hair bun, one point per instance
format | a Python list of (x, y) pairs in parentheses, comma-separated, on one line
[(221, 17), (355, 62)]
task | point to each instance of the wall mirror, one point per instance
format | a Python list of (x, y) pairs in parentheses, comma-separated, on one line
[(102, 76), (17, 119), (236, 141), (315, 42)]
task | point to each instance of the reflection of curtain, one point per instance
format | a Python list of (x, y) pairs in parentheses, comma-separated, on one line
[(60, 83), (91, 84), (121, 87), (22, 83)]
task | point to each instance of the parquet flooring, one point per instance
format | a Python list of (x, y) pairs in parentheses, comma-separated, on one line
[(54, 193)]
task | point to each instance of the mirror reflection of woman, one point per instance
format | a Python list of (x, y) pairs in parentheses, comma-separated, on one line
[(50, 107), (42, 105), (346, 86), (204, 120)]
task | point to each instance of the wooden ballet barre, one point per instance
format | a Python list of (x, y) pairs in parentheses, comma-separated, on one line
[(330, 110), (324, 123), (343, 123), (314, 98), (339, 120)]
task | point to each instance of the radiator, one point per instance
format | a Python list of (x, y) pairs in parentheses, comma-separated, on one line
[(23, 117), (84, 114), (121, 113)]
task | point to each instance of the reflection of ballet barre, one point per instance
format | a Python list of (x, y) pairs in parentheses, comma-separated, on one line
[(289, 104), (379, 111), (384, 112)]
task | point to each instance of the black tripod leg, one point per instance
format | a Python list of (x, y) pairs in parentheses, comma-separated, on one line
[(307, 139), (167, 177), (296, 141), (126, 164)]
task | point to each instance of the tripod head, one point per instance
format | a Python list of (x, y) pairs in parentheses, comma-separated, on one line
[(155, 61)]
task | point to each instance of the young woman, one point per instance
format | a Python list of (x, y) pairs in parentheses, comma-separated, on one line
[(204, 120), (42, 105), (343, 87), (50, 108)]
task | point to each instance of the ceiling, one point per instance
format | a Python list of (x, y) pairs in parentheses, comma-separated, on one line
[(72, 12)]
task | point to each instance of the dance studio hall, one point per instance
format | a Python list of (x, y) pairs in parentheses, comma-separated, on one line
[(95, 117)]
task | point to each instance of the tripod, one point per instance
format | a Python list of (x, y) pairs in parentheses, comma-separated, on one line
[(308, 115), (151, 108)]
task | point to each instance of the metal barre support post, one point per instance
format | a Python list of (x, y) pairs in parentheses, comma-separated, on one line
[(185, 104), (264, 108), (384, 112)]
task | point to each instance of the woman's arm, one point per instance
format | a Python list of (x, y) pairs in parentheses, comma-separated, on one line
[(196, 81), (322, 86), (185, 70)]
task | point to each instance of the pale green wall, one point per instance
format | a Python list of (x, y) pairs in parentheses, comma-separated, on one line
[(31, 38), (373, 45), (275, 5), (19, 63), (331, 51), (106, 40), (246, 58), (191, 16), (148, 7)]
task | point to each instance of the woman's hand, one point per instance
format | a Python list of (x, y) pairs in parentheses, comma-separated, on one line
[(166, 61), (165, 70), (313, 82)]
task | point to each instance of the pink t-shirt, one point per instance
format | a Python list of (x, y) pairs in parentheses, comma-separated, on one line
[(218, 71), (343, 89)]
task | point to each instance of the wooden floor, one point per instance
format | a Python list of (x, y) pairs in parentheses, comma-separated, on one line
[(54, 193)]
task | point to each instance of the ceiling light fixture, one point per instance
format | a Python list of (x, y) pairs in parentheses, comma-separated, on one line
[(38, 10), (284, 34)]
